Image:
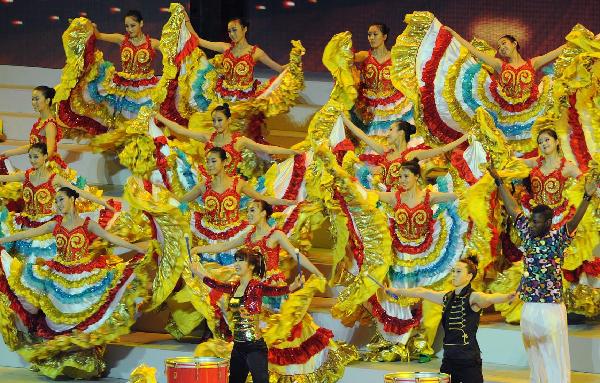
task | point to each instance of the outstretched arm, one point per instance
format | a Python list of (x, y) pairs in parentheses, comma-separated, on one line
[(46, 228), (483, 300), (247, 189), (420, 292), (438, 197), (264, 58), (539, 61), (387, 197), (193, 194), (115, 38), (374, 145), (16, 151), (213, 46), (100, 232), (590, 189), (285, 243), (219, 247), (16, 177), (511, 206), (181, 130), (489, 60), (425, 154), (247, 143)]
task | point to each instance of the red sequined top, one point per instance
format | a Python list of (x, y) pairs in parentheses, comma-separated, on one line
[(222, 209), (137, 59), (391, 168), (271, 254), (375, 82), (412, 223), (72, 245), (39, 200), (252, 299), (515, 85), (548, 189), (38, 131), (237, 78), (234, 155)]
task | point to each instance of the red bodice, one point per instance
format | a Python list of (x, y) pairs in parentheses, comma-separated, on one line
[(515, 85), (235, 156), (412, 223), (375, 80), (391, 168), (38, 131), (72, 245), (271, 254), (548, 189), (137, 60), (237, 75), (39, 200), (253, 294), (222, 209)]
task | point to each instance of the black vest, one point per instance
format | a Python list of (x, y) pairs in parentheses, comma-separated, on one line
[(460, 324)]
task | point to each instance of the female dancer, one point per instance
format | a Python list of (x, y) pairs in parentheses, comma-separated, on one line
[(45, 129), (249, 352), (39, 190), (544, 317), (232, 142), (379, 103), (460, 320), (59, 312), (391, 156)]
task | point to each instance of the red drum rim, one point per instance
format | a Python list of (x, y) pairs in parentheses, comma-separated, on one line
[(199, 362), (416, 377)]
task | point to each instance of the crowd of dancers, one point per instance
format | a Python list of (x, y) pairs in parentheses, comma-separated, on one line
[(444, 165)]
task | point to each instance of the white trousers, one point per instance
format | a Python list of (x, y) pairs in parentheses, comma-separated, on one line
[(546, 339)]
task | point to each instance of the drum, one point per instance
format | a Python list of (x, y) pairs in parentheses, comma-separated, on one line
[(417, 377), (196, 370)]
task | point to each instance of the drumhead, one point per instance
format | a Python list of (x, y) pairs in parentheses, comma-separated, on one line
[(417, 377), (199, 362)]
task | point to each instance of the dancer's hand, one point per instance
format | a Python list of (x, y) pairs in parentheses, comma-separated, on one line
[(298, 282), (591, 185), (493, 172)]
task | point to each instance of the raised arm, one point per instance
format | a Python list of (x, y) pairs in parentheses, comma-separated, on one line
[(16, 177), (87, 195), (371, 143), (387, 197), (264, 58), (15, 151), (425, 154), (590, 187), (219, 247), (115, 38), (285, 243), (487, 59), (420, 292), (438, 197), (539, 61), (511, 206), (100, 232), (181, 130), (245, 142), (483, 300), (46, 228), (247, 189), (213, 46)]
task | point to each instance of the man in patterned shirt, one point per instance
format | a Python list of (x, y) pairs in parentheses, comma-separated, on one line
[(544, 317)]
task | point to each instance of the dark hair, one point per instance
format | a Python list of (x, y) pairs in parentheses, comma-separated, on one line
[(412, 166), (471, 261), (544, 210), (512, 39), (408, 128), (385, 30), (69, 192), (135, 14), (40, 146), (48, 92), (220, 151), (243, 22), (223, 109), (268, 209), (255, 259)]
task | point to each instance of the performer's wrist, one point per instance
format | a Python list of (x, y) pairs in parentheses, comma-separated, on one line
[(498, 181), (587, 197)]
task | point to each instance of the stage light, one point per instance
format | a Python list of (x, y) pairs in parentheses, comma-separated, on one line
[(53, 18), (164, 9), (114, 9), (260, 7), (17, 22), (288, 4), (7, 1), (83, 14), (312, 1)]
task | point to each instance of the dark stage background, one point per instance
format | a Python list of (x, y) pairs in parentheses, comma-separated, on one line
[(31, 36)]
